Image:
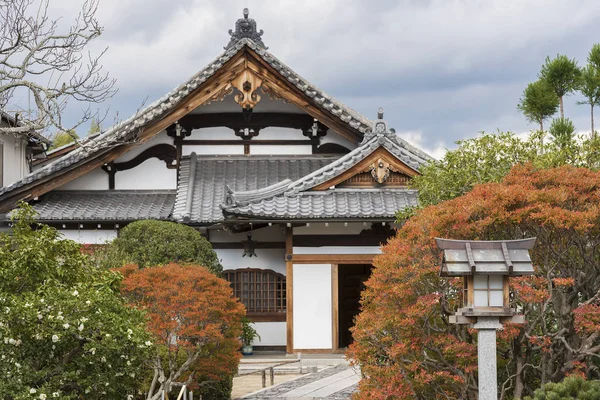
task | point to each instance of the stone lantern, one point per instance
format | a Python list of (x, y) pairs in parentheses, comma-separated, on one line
[(486, 267)]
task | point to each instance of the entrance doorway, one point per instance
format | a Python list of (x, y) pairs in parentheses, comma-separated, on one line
[(351, 280)]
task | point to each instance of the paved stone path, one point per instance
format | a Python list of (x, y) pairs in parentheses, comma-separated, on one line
[(335, 383)]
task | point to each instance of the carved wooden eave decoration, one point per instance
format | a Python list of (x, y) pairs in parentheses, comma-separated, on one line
[(247, 84), (380, 166), (245, 71)]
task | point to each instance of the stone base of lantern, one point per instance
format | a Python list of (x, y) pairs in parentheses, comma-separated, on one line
[(486, 357)]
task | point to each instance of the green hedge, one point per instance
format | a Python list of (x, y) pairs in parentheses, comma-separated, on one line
[(149, 243)]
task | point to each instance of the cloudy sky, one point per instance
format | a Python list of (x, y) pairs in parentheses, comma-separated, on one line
[(443, 70)]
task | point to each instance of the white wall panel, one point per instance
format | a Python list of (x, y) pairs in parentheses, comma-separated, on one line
[(271, 333), (266, 259), (158, 139), (151, 174), (280, 150), (14, 161), (213, 150), (312, 306), (99, 236), (267, 234), (96, 179), (337, 250)]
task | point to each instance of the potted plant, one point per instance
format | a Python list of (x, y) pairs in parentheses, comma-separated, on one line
[(248, 336)]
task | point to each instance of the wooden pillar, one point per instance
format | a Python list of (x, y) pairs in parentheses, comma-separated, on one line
[(289, 277), (335, 312)]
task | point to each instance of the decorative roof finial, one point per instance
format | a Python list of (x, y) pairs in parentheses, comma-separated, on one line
[(246, 28), (379, 128)]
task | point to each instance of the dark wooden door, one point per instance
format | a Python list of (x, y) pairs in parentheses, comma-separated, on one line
[(351, 282)]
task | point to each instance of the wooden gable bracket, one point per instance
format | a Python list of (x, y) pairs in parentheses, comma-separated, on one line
[(378, 164)]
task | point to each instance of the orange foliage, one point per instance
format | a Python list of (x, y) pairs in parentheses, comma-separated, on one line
[(403, 341), (189, 310)]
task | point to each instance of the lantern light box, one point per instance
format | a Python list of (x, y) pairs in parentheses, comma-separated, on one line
[(486, 267)]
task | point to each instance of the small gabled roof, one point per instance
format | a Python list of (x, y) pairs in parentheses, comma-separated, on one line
[(298, 199), (30, 135)]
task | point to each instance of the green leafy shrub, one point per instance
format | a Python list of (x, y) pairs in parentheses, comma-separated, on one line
[(573, 387), (65, 331), (149, 243)]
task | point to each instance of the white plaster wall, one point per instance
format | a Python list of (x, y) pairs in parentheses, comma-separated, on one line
[(265, 259), (312, 306), (216, 133), (337, 250), (266, 234), (158, 139), (331, 228), (271, 334), (151, 174), (213, 150), (96, 179), (14, 160), (280, 150), (98, 236), (334, 137), (279, 133)]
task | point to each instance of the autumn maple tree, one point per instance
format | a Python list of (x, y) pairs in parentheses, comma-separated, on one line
[(195, 319), (403, 341)]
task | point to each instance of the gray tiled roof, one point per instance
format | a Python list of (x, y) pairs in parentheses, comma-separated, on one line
[(331, 204), (289, 199), (349, 160), (203, 180), (104, 205), (126, 129)]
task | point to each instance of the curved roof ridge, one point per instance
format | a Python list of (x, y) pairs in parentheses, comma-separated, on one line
[(233, 198)]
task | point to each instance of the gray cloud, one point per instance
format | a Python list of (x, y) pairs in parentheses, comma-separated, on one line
[(444, 70)]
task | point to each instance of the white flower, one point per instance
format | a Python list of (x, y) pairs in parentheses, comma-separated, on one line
[(55, 394), (41, 300), (38, 336), (128, 362), (42, 396), (148, 343), (60, 317), (27, 304), (54, 338), (17, 365), (93, 350), (75, 293), (88, 302), (129, 331), (83, 319), (40, 316), (80, 327), (103, 359), (66, 326), (12, 341), (32, 390), (107, 335), (129, 397)]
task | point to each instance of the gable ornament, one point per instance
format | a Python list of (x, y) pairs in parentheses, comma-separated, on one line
[(247, 84), (380, 170)]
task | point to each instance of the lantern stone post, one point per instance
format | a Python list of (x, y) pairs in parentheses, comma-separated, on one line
[(486, 267)]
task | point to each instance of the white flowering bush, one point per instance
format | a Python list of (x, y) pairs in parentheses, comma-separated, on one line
[(65, 331)]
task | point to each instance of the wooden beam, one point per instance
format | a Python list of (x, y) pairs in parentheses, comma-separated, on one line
[(333, 258), (335, 307), (270, 142), (289, 296)]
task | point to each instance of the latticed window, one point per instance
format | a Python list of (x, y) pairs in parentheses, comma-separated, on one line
[(262, 291)]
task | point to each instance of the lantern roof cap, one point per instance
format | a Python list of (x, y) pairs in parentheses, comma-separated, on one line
[(479, 257)]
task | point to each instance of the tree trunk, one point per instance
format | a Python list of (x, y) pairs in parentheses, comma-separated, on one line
[(592, 112), (541, 125), (519, 378), (562, 109)]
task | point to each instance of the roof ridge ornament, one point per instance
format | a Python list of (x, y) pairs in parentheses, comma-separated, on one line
[(245, 28), (379, 128)]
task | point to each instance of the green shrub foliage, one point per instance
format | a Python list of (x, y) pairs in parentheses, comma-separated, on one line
[(150, 243), (65, 331), (573, 387)]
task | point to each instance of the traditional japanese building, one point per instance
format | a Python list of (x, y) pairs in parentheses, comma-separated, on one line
[(294, 190)]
